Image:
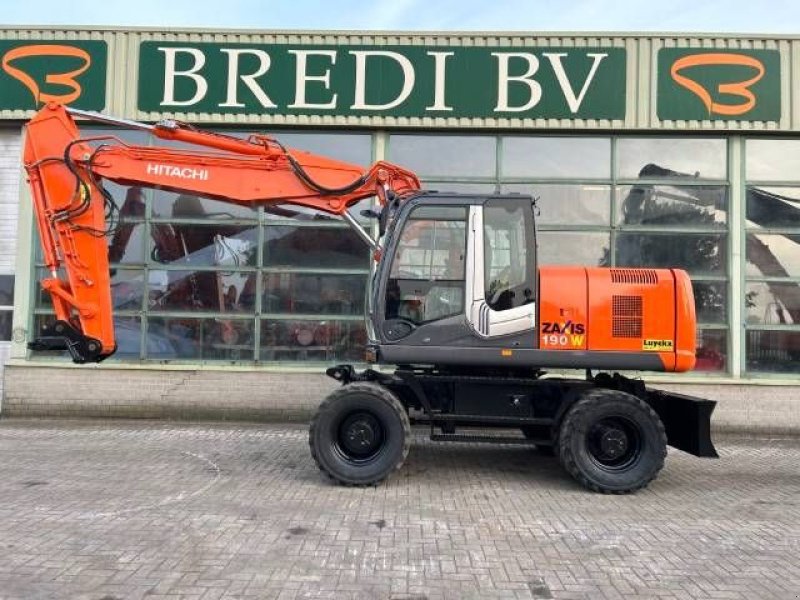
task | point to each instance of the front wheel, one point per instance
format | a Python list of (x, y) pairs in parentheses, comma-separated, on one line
[(612, 442), (360, 434)]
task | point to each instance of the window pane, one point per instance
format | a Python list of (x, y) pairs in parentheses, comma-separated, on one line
[(773, 351), (206, 339), (353, 148), (6, 290), (556, 157), (480, 189), (711, 301), (775, 160), (697, 253), (568, 248), (128, 333), (770, 303), (508, 254), (445, 155), (314, 293), (204, 245), (169, 205), (5, 325), (314, 247), (773, 207), (316, 340), (128, 243), (127, 288), (712, 350), (657, 205), (647, 158), (213, 291), (427, 273), (568, 204), (773, 255)]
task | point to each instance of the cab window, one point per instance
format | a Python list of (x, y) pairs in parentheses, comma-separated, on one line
[(426, 281), (509, 266)]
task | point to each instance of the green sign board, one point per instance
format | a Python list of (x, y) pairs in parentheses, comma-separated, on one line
[(33, 72), (706, 83), (392, 81)]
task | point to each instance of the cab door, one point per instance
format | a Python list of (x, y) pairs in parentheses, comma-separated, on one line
[(502, 253)]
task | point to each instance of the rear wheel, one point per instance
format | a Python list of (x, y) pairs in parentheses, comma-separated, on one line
[(612, 442), (360, 434)]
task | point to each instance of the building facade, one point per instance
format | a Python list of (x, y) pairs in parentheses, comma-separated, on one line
[(642, 150)]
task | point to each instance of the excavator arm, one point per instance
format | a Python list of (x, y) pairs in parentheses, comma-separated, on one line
[(75, 214)]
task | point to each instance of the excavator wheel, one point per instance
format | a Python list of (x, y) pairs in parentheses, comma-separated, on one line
[(360, 435), (612, 442)]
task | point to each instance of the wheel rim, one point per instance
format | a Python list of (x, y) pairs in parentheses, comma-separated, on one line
[(614, 443), (360, 438)]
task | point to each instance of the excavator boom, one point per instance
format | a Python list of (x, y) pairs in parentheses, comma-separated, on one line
[(75, 214)]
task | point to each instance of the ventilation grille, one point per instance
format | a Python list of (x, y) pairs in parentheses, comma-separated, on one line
[(626, 316), (647, 276)]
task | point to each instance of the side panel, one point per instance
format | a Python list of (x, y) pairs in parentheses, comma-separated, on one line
[(563, 316)]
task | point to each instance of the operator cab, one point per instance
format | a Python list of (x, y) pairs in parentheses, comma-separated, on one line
[(457, 271)]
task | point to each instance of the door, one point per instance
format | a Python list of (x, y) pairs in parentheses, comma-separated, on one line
[(503, 285)]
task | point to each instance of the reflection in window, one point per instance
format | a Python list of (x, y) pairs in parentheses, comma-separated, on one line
[(711, 301), (772, 303), (773, 206), (313, 293), (212, 291), (697, 253), (773, 351), (318, 340), (427, 273), (773, 160), (712, 350), (128, 335), (661, 205), (773, 255), (445, 155), (567, 204), (556, 157), (314, 247), (169, 205), (570, 248), (204, 245), (205, 339), (655, 158)]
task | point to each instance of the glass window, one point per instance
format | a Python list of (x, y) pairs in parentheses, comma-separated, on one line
[(313, 293), (317, 340), (772, 255), (711, 301), (204, 245), (567, 204), (773, 207), (573, 248), (213, 291), (697, 253), (773, 351), (508, 254), (204, 339), (354, 148), (712, 350), (427, 273), (445, 155), (128, 334), (314, 247), (556, 157), (169, 205), (772, 303), (773, 160), (6, 290), (673, 205), (655, 158), (6, 318)]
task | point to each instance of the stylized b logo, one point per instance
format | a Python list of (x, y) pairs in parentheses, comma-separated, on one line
[(67, 79), (738, 88)]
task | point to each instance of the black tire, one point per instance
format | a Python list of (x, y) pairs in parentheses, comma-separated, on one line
[(360, 434), (612, 442), (532, 433)]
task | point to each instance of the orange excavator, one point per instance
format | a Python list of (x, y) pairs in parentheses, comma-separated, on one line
[(458, 308)]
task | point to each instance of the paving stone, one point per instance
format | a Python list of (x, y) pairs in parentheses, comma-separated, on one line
[(111, 510)]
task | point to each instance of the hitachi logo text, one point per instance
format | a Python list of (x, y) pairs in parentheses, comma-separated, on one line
[(180, 172)]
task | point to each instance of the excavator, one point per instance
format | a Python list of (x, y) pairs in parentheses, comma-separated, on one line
[(463, 324)]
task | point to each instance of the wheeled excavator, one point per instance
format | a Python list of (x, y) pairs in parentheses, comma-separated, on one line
[(463, 323)]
